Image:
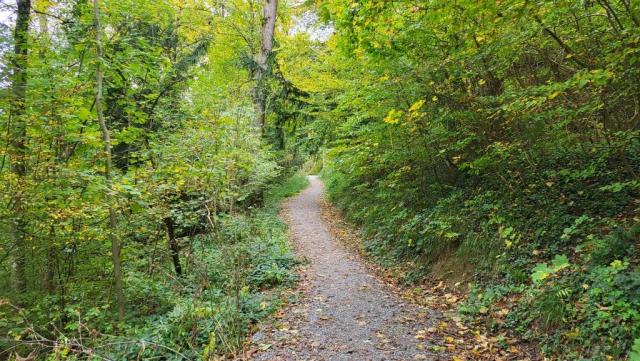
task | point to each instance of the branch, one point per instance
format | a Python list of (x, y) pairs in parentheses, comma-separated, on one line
[(562, 44)]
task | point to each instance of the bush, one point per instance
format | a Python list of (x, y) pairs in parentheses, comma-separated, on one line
[(231, 281)]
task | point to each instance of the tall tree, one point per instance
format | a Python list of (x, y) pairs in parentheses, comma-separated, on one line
[(19, 135), (269, 12), (106, 138)]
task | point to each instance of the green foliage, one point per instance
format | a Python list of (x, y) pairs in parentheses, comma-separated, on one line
[(634, 355), (492, 141), (209, 310), (195, 185), (541, 271), (289, 187)]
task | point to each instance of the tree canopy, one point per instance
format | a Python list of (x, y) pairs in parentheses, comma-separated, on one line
[(144, 146)]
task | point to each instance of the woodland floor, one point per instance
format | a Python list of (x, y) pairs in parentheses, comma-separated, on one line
[(344, 309)]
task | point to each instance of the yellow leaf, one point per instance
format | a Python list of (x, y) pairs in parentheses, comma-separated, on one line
[(393, 117), (416, 106), (449, 339)]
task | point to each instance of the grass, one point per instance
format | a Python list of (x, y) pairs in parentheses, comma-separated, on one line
[(289, 187)]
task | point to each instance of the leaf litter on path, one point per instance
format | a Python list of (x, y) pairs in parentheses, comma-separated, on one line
[(346, 308)]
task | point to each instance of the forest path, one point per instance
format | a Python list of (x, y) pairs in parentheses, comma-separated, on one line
[(344, 311)]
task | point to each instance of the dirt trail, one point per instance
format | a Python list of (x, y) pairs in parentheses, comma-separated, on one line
[(344, 312)]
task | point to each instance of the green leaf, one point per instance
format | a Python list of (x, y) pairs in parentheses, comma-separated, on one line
[(634, 355), (559, 262), (84, 114), (540, 272)]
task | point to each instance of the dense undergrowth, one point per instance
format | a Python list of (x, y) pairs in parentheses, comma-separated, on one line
[(138, 194), (494, 143), (232, 280), (563, 256)]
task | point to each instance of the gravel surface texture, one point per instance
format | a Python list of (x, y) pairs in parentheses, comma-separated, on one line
[(343, 311)]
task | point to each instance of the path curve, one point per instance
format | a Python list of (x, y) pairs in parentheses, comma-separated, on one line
[(345, 312)]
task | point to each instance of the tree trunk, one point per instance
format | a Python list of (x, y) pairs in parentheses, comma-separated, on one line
[(115, 244), (174, 248), (19, 137), (269, 12)]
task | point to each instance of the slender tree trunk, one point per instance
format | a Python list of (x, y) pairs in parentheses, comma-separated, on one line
[(269, 12), (174, 248), (51, 251), (49, 278), (630, 12), (115, 244), (19, 137)]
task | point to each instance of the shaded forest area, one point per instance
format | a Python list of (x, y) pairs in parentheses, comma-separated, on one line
[(145, 145), (138, 212)]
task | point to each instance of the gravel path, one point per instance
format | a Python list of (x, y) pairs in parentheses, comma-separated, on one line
[(344, 311)]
